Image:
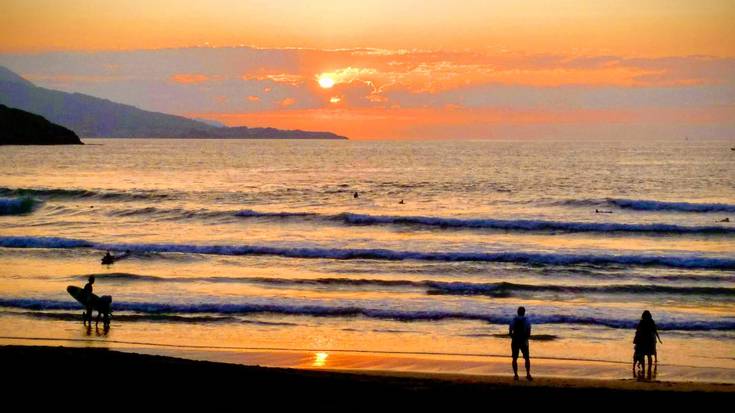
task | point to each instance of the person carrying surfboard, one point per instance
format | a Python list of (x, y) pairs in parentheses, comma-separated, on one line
[(88, 291)]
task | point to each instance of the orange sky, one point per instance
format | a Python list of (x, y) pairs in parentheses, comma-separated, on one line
[(399, 66), (627, 27)]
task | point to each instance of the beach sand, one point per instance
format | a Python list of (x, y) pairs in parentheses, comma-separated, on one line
[(113, 375)]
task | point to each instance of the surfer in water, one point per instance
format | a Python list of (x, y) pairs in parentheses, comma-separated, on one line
[(88, 289)]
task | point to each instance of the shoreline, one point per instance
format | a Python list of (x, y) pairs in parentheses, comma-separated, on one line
[(390, 362), (204, 379)]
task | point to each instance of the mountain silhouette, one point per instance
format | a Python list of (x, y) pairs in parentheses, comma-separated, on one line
[(18, 127), (94, 117)]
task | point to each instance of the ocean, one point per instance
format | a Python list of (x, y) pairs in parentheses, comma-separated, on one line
[(412, 250)]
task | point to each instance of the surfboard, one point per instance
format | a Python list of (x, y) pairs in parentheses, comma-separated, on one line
[(103, 304), (80, 295)]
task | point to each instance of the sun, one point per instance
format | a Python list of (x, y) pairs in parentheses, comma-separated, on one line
[(326, 82)]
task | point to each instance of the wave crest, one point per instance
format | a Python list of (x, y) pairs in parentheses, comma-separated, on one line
[(17, 206), (529, 258), (352, 311)]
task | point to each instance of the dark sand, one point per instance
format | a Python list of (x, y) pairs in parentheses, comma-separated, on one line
[(115, 379)]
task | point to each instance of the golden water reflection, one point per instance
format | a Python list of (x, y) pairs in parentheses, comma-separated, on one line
[(320, 359)]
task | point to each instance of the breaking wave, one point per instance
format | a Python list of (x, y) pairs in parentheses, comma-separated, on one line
[(649, 205), (150, 308), (17, 206), (58, 193), (438, 287), (530, 258)]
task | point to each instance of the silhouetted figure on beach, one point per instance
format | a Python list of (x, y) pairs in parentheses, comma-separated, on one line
[(644, 342), (520, 332), (104, 311), (356, 195), (88, 289)]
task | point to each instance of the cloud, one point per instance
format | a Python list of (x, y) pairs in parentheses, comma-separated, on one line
[(287, 102), (389, 84), (287, 78), (189, 79)]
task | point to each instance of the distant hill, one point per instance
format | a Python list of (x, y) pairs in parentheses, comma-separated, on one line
[(18, 127), (94, 117)]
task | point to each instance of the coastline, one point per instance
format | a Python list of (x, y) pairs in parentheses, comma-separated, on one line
[(231, 383)]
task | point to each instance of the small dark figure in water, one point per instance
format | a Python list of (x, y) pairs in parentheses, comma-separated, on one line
[(646, 335), (401, 202), (520, 332), (598, 211), (108, 259), (88, 289), (725, 220), (356, 195)]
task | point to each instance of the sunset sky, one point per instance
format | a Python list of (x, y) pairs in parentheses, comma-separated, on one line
[(395, 69)]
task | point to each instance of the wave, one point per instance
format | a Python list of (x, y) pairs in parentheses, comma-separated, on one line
[(168, 213), (649, 205), (531, 225), (351, 311), (529, 258), (497, 289), (169, 318), (58, 193), (350, 218), (17, 206), (257, 280), (643, 205), (249, 213), (503, 289)]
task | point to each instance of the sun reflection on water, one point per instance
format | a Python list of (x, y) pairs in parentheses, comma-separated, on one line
[(320, 359)]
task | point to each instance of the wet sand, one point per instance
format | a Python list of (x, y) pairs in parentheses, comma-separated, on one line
[(94, 372)]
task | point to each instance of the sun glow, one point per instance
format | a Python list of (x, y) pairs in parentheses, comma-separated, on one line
[(320, 359), (326, 82)]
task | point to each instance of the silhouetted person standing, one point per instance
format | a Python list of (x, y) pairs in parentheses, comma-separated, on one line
[(646, 335), (520, 331), (88, 291)]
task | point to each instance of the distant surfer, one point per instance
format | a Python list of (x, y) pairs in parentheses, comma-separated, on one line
[(401, 202), (599, 211), (725, 220), (356, 195), (88, 291), (520, 332), (108, 259)]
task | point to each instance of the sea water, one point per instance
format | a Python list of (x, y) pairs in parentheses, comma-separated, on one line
[(387, 247)]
